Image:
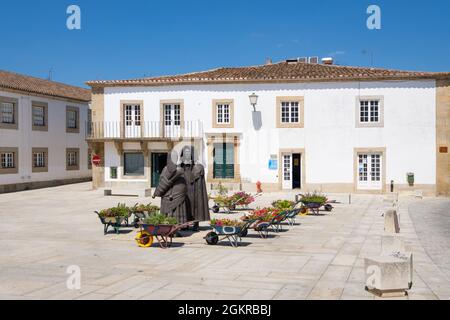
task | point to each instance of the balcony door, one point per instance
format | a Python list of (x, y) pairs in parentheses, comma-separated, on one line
[(132, 121), (172, 120)]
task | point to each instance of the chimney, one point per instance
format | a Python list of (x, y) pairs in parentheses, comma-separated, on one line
[(268, 61), (328, 61)]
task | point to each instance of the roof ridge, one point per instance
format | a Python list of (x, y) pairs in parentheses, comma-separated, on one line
[(42, 79)]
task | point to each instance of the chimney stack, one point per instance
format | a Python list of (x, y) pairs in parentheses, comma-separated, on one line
[(268, 61), (328, 61)]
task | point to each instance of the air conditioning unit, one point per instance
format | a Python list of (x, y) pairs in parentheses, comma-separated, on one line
[(303, 60), (313, 60)]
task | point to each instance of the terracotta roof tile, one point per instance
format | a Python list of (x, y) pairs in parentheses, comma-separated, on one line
[(14, 81), (278, 72)]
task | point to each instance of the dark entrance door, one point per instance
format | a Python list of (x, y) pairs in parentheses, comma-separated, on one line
[(296, 171), (159, 161)]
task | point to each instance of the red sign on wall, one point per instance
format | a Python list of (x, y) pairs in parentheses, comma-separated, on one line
[(96, 160)]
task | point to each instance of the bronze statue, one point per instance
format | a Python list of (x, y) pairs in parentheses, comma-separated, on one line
[(197, 196), (172, 190)]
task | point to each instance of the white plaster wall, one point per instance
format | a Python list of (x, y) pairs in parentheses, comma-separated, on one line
[(56, 140), (330, 134)]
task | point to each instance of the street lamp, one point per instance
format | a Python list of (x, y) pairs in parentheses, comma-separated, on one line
[(253, 100)]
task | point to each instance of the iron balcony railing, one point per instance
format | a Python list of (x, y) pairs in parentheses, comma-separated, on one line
[(144, 130)]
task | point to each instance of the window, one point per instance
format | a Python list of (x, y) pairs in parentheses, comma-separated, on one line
[(38, 116), (73, 120), (290, 112), (172, 114), (369, 112), (7, 112), (133, 164), (40, 159), (132, 115), (223, 113), (73, 159), (223, 161), (9, 160)]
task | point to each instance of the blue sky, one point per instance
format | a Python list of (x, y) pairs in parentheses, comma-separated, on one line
[(135, 38)]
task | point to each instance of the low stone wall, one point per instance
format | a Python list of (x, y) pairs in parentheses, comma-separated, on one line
[(8, 188)]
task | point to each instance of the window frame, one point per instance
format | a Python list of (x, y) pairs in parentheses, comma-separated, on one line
[(6, 125), (369, 123), (8, 170), (300, 113), (44, 105), (34, 168), (215, 114), (70, 167), (77, 119)]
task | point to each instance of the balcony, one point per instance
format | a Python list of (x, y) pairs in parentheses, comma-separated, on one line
[(153, 130)]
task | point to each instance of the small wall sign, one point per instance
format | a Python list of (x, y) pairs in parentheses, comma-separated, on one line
[(273, 164), (443, 150)]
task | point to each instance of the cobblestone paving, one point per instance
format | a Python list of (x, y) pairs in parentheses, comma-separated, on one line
[(45, 231)]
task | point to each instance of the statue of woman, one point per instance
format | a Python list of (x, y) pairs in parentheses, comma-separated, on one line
[(194, 175), (172, 190)]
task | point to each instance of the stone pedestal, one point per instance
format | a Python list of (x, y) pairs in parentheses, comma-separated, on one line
[(391, 222), (389, 275)]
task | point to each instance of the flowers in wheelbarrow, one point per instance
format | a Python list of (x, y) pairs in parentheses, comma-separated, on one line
[(242, 198), (225, 223), (265, 214)]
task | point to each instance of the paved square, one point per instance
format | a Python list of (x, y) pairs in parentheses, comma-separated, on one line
[(45, 231)]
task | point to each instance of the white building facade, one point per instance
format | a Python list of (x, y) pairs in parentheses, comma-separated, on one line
[(328, 134), (42, 133)]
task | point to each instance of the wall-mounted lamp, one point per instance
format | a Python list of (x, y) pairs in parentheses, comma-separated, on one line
[(253, 100)]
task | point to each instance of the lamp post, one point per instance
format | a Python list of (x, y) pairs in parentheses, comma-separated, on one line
[(253, 101)]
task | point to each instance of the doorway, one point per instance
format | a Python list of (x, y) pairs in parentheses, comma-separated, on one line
[(370, 168), (291, 171), (158, 162)]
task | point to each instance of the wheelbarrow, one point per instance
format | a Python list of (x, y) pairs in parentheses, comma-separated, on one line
[(233, 234), (112, 222), (163, 233)]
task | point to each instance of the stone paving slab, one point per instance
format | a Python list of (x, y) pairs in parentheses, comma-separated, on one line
[(322, 257)]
